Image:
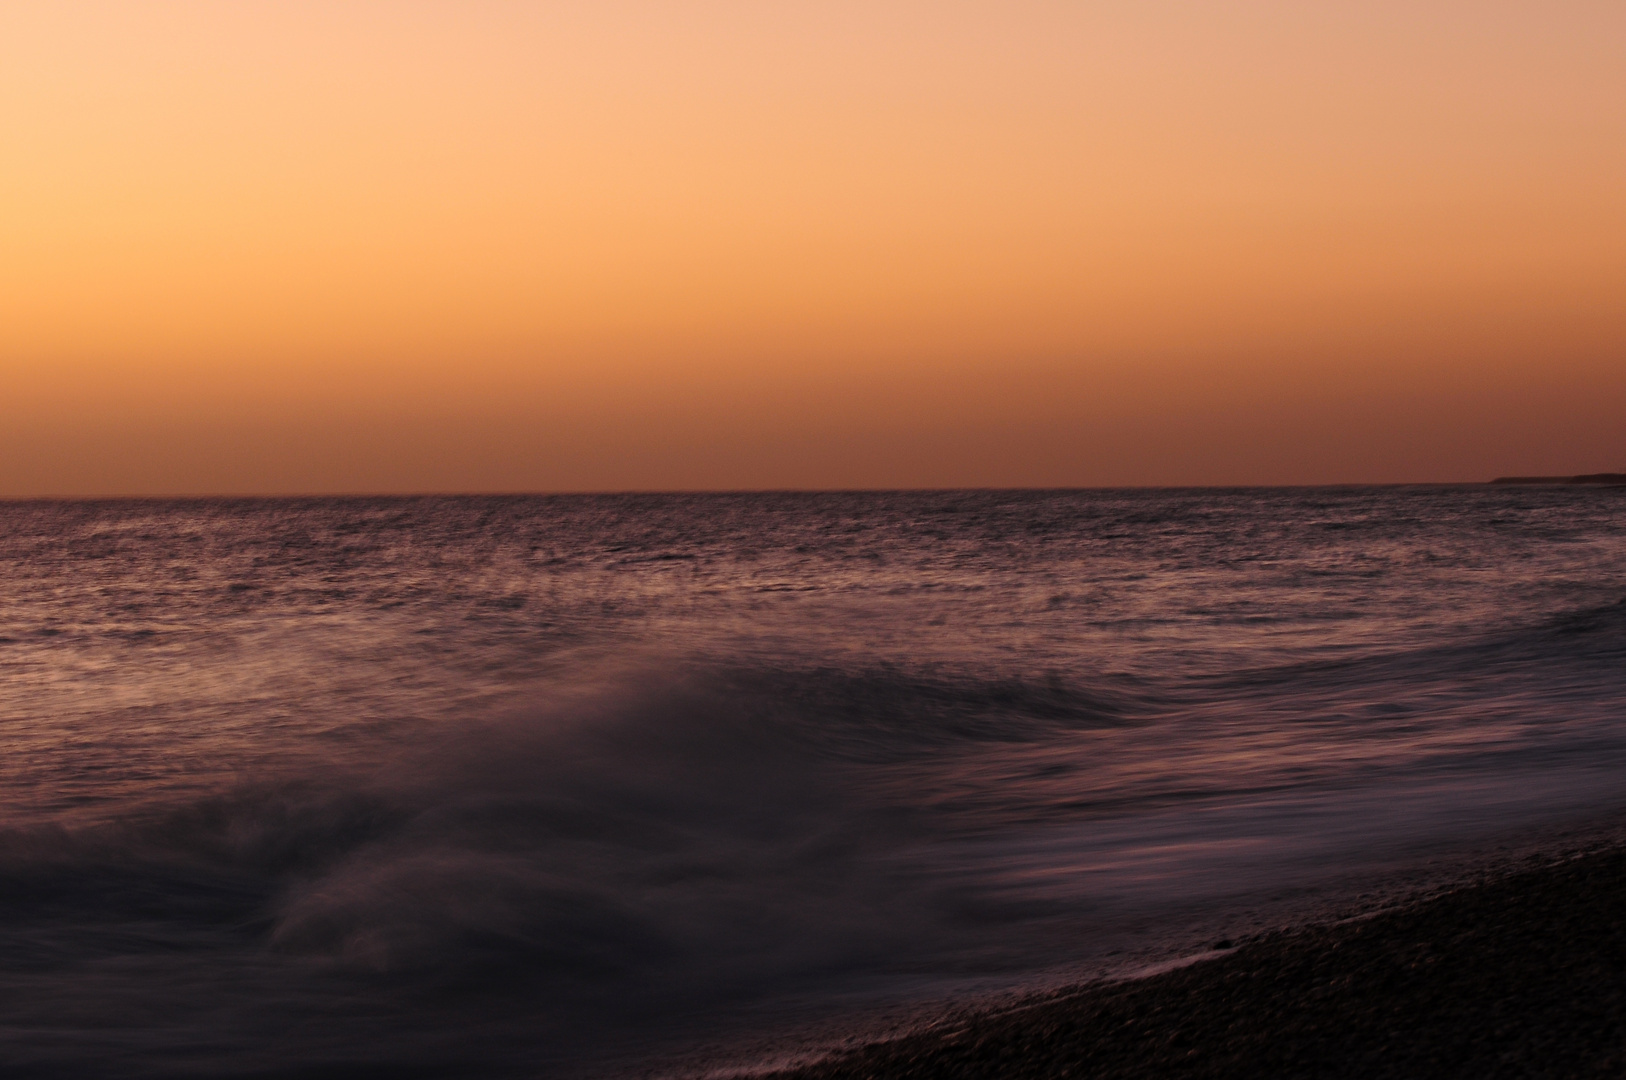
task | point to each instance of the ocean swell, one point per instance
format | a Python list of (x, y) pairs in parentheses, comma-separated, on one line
[(628, 849)]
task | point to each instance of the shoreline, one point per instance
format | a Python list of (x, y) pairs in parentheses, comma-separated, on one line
[(1517, 968), (1582, 480)]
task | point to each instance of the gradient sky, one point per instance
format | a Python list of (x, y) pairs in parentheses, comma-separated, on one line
[(359, 245)]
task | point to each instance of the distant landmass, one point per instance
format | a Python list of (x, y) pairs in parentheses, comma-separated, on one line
[(1589, 478)]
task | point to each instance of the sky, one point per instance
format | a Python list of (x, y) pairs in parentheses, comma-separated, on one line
[(477, 245)]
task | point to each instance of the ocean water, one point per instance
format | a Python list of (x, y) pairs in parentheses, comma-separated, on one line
[(542, 786)]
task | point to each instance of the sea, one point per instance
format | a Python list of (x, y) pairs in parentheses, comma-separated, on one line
[(611, 785)]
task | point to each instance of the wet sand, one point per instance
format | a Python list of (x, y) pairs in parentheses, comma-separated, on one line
[(1518, 975)]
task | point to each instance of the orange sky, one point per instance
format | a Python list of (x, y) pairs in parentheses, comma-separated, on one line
[(360, 245)]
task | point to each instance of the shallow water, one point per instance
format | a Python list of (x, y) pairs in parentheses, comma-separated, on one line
[(523, 784)]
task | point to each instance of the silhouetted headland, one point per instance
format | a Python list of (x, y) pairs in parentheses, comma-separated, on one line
[(1588, 478)]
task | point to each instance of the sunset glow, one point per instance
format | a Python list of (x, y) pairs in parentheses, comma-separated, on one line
[(366, 246)]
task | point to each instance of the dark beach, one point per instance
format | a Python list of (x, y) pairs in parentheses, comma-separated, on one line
[(1522, 973)]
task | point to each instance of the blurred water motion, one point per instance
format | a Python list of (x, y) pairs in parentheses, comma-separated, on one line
[(430, 784)]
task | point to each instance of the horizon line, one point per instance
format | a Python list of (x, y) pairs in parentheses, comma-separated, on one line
[(1576, 480)]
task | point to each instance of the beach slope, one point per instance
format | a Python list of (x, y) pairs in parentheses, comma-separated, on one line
[(1520, 976)]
